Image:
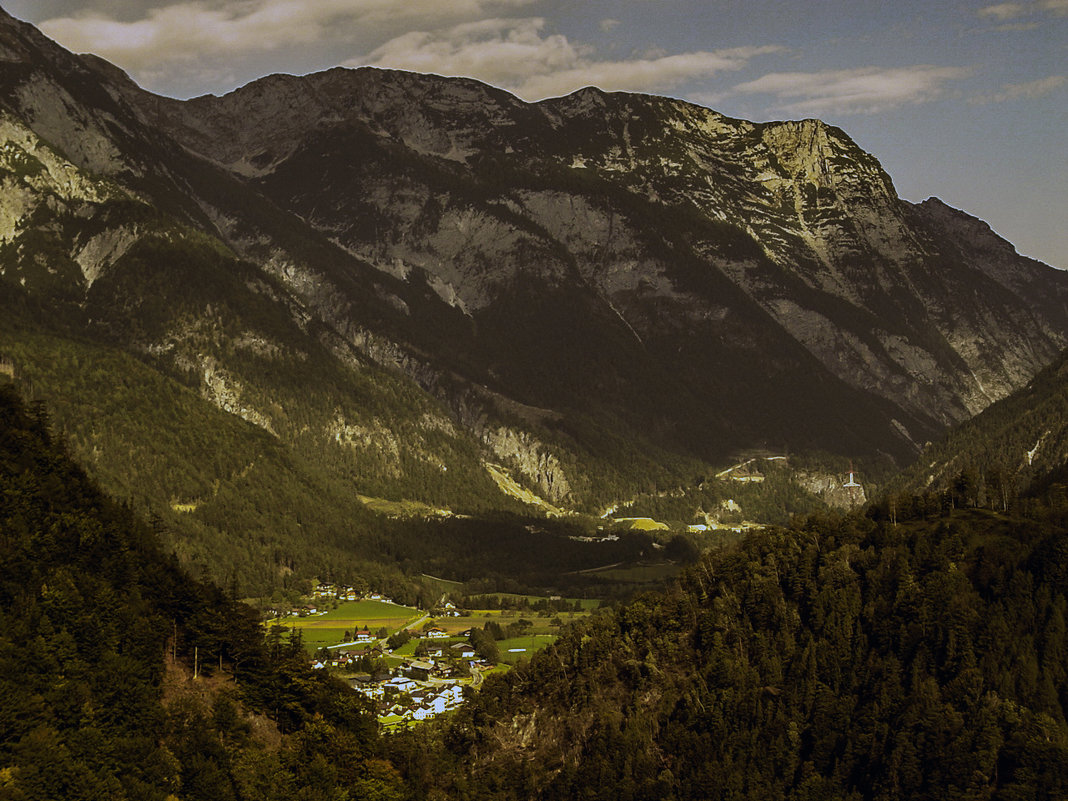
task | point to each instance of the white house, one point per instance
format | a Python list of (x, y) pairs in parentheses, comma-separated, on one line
[(401, 684), (462, 650)]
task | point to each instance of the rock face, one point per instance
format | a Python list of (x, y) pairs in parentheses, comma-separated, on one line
[(832, 490), (478, 190), (531, 458), (600, 282)]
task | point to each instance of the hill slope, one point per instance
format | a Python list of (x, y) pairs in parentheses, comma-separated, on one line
[(1004, 448), (125, 678), (844, 658)]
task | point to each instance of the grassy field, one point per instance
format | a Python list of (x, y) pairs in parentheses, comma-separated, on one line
[(329, 628), (529, 644), (372, 614), (587, 603), (640, 524), (479, 617), (398, 508), (408, 649)]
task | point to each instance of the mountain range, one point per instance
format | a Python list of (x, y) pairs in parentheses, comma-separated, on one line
[(271, 306)]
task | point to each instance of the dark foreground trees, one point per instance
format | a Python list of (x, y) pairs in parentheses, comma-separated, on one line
[(100, 636), (846, 658)]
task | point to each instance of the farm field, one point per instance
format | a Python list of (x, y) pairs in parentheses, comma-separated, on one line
[(529, 643), (329, 628), (588, 604), (479, 617)]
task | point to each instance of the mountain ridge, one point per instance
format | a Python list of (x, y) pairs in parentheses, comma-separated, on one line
[(827, 239), (405, 279)]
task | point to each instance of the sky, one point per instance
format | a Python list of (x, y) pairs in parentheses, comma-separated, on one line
[(966, 101)]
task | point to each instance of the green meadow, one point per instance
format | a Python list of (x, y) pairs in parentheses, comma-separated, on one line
[(529, 643), (351, 616)]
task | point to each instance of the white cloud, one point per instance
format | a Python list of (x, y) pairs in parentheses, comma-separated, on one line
[(1028, 90), (1008, 11), (1004, 11), (186, 31), (609, 25), (518, 55), (866, 90)]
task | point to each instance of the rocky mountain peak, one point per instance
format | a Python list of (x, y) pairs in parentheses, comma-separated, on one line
[(966, 227), (661, 282), (823, 156)]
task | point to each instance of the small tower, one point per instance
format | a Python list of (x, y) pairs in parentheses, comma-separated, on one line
[(851, 483), (852, 486)]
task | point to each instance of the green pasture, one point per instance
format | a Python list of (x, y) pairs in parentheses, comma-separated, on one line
[(329, 628), (530, 643), (587, 603)]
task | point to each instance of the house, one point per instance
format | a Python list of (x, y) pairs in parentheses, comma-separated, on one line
[(401, 684), (429, 706), (463, 650), (420, 670), (364, 683), (434, 631), (448, 610), (353, 654)]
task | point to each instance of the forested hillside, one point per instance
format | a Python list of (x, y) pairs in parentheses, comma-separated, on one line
[(843, 658), (100, 633), (917, 651), (999, 452)]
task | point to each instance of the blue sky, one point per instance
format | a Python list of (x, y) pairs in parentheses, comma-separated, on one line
[(967, 101)]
